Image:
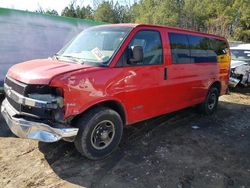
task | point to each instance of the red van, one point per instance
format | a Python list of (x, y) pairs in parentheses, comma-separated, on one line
[(111, 76)]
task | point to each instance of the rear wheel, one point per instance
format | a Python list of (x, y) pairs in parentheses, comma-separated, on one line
[(209, 106), (100, 132)]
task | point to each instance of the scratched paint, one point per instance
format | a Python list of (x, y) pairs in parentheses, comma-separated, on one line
[(25, 35)]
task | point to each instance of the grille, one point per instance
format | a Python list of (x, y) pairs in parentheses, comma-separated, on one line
[(16, 86), (19, 88), (24, 89)]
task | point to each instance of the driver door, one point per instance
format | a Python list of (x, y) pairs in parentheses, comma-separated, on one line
[(143, 81)]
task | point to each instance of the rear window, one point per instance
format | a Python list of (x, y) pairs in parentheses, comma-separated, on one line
[(195, 49)]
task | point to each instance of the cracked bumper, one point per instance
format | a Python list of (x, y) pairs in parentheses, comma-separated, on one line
[(34, 130)]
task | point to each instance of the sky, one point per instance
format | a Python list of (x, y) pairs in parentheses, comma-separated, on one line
[(33, 5)]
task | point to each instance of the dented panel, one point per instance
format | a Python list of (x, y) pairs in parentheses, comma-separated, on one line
[(87, 87), (240, 73)]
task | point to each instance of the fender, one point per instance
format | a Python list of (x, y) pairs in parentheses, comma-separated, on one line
[(84, 89), (106, 101)]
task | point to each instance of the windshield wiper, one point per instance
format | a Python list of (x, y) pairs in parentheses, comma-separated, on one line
[(56, 56), (72, 58)]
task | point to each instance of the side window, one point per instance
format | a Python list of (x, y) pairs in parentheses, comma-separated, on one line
[(221, 50), (196, 49), (150, 41), (201, 50), (179, 48), (210, 52), (219, 46)]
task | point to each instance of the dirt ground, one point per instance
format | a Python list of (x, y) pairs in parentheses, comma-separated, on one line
[(182, 150)]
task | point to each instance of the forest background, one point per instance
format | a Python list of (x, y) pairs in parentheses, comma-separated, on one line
[(228, 18)]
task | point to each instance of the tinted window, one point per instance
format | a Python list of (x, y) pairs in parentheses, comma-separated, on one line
[(179, 48), (150, 41), (195, 49), (201, 49), (219, 46)]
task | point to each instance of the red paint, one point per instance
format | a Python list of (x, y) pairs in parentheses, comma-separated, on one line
[(140, 90), (41, 71)]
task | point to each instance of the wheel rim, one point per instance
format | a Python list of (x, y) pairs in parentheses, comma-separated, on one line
[(103, 134), (212, 101)]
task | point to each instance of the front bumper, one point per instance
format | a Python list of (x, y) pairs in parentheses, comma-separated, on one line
[(34, 130)]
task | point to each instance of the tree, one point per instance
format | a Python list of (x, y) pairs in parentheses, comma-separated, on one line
[(163, 12), (228, 18), (146, 10), (84, 12), (132, 13), (121, 13), (106, 13), (51, 12), (48, 11), (78, 12), (70, 10), (240, 20)]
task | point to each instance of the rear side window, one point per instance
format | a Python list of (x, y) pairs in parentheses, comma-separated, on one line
[(201, 49), (151, 43), (219, 46), (179, 48), (195, 49)]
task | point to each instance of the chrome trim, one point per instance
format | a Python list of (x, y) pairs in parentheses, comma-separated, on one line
[(20, 99), (15, 81), (233, 82), (34, 130)]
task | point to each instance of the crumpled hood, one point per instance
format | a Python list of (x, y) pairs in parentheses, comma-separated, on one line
[(236, 63), (41, 71)]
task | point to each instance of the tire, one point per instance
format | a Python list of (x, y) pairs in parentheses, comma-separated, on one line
[(100, 132), (210, 104)]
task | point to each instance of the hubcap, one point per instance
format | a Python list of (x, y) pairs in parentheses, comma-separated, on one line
[(103, 134), (212, 101)]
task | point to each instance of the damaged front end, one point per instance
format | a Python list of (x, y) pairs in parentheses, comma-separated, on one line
[(240, 73), (36, 112)]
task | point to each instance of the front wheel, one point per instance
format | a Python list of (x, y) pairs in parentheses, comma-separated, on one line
[(209, 106), (100, 132)]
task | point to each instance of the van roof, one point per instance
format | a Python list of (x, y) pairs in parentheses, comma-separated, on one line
[(241, 47), (134, 25)]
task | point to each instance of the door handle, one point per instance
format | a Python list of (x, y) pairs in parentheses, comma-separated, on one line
[(165, 73)]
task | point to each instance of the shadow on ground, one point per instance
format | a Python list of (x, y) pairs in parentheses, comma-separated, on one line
[(241, 89), (183, 149), (71, 166)]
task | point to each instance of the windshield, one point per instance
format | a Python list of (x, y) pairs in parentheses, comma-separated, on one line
[(241, 55), (95, 45)]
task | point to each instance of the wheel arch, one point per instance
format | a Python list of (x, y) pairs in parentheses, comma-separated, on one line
[(216, 84), (112, 104)]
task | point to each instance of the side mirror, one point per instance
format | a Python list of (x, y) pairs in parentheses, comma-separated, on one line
[(137, 53)]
